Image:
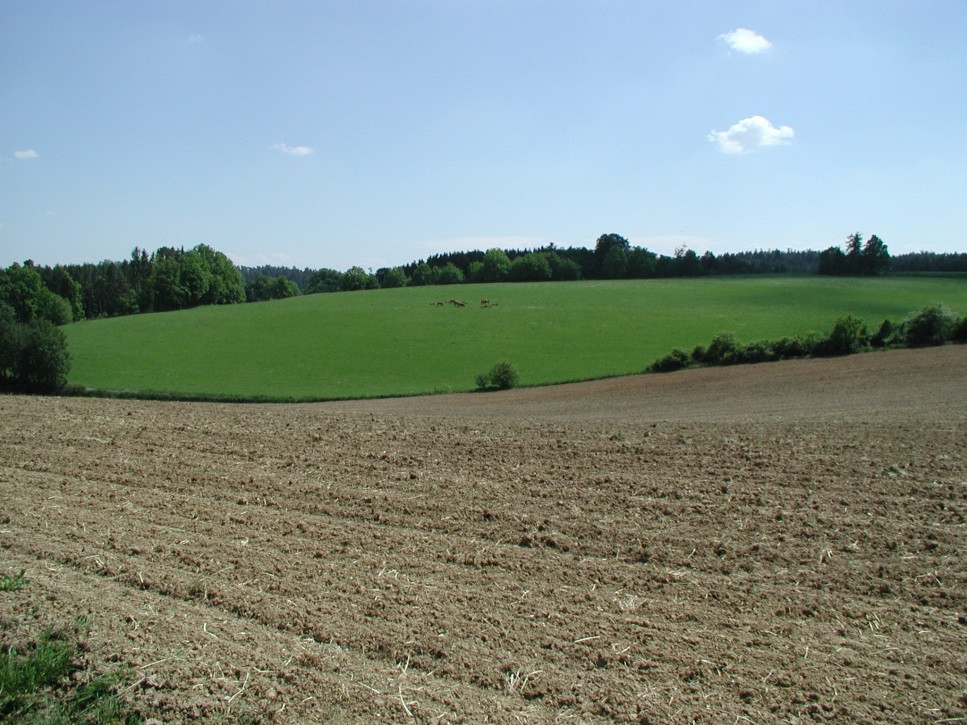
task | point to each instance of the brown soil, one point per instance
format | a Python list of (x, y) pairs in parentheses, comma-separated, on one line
[(779, 542)]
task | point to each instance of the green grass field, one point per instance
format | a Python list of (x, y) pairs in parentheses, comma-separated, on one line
[(396, 342)]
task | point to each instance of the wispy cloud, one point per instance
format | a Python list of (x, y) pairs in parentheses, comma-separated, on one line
[(750, 134), (292, 150), (26, 154), (747, 41), (195, 38)]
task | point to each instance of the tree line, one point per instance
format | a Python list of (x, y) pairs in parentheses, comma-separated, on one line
[(613, 257), (175, 278)]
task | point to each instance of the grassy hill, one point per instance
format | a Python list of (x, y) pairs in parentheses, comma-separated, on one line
[(398, 342)]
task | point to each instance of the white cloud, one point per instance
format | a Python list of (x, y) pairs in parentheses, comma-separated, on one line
[(746, 41), (26, 154), (195, 38), (292, 150), (750, 134)]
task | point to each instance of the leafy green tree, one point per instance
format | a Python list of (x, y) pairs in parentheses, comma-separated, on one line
[(270, 288), (33, 355), (604, 245), (447, 274), (283, 287), (641, 263), (394, 277), (875, 256), (59, 281), (357, 278), (10, 344), (225, 284), (475, 271), (615, 264), (323, 280), (196, 277), (422, 275), (43, 361), (531, 267), (23, 289), (55, 309), (832, 261), (563, 269), (496, 266), (686, 263), (168, 289), (200, 276)]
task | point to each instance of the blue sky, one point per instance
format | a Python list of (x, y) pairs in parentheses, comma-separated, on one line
[(333, 134)]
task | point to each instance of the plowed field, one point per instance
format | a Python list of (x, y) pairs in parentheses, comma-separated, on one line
[(779, 542)]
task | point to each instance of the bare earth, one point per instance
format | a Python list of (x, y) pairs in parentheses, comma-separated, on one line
[(777, 542)]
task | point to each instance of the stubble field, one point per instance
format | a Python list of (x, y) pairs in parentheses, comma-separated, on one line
[(779, 542)]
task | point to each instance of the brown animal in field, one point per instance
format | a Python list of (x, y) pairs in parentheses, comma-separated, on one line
[(485, 303), (459, 303)]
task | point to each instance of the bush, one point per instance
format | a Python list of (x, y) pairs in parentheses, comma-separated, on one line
[(960, 331), (883, 336), (33, 356), (502, 376), (43, 361), (933, 325), (759, 351), (675, 360), (812, 343), (10, 344), (849, 336), (788, 347), (723, 350)]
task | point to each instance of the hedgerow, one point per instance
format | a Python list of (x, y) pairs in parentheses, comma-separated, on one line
[(933, 325)]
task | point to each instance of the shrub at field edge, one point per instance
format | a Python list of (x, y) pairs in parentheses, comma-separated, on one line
[(501, 376), (933, 325)]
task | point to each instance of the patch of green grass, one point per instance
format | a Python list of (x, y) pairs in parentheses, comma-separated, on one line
[(12, 583), (397, 342), (38, 685)]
